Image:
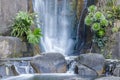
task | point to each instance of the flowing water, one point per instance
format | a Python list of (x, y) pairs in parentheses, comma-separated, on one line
[(56, 18), (57, 21)]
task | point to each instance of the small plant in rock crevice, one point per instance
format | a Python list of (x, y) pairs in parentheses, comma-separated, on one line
[(21, 28), (24, 28)]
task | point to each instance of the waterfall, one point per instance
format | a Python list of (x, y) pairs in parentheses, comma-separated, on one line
[(56, 19)]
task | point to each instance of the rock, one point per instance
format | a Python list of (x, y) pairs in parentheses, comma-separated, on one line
[(10, 47), (5, 71), (93, 61), (116, 71), (110, 66), (22, 67), (116, 45), (15, 66), (49, 63), (109, 78), (85, 72), (8, 11)]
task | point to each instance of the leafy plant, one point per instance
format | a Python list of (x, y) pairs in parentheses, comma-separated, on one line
[(22, 28), (92, 8), (21, 24), (98, 23), (103, 26), (96, 26), (34, 37)]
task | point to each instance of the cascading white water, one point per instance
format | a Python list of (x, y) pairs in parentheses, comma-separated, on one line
[(56, 19)]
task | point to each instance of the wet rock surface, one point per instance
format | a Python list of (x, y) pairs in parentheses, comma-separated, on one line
[(13, 67), (5, 71), (49, 63), (86, 72), (53, 66), (92, 61), (116, 71), (109, 78)]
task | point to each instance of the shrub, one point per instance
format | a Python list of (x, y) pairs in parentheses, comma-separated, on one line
[(21, 28), (97, 21)]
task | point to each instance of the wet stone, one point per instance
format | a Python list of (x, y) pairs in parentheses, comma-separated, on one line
[(49, 63), (93, 60)]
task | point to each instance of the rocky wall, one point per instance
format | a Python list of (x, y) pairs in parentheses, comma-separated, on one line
[(8, 9)]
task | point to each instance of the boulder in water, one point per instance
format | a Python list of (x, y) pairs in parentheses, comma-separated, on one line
[(49, 63), (86, 72), (93, 61)]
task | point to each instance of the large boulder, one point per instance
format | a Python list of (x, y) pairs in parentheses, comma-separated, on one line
[(49, 63), (93, 61), (109, 78), (10, 46), (86, 72)]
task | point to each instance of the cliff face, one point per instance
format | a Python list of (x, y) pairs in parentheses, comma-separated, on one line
[(8, 9)]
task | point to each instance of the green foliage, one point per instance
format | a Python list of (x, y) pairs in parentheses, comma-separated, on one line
[(88, 20), (34, 37), (21, 24), (22, 28), (92, 8), (98, 16), (115, 29), (101, 33), (98, 23), (104, 22), (96, 26), (111, 3)]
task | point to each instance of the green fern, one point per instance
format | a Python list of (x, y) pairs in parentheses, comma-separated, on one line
[(34, 37), (21, 24)]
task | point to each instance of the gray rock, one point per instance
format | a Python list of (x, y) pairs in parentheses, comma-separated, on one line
[(49, 63), (116, 72), (93, 61), (85, 72), (10, 46), (109, 78), (5, 71), (116, 46), (110, 65), (22, 67), (15, 66), (8, 11)]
